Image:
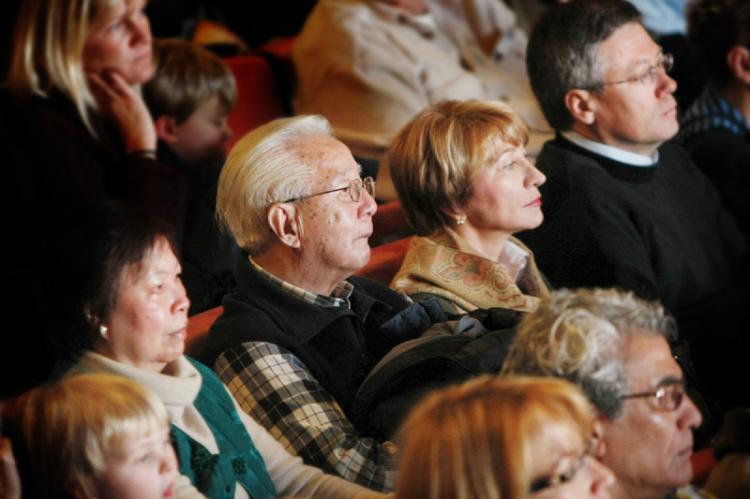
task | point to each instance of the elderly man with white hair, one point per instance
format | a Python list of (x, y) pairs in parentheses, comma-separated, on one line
[(299, 333), (614, 346)]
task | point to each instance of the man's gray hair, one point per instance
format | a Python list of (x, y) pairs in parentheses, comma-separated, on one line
[(265, 167), (579, 334), (563, 48)]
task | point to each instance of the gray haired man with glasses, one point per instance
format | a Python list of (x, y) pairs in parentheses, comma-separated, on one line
[(623, 205), (299, 333), (613, 345)]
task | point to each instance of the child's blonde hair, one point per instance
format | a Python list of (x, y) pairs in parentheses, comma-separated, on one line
[(65, 433)]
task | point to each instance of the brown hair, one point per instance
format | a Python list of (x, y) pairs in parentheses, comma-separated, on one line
[(477, 440), (187, 75), (433, 159)]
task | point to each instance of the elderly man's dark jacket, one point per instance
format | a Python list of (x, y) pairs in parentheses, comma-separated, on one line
[(337, 344)]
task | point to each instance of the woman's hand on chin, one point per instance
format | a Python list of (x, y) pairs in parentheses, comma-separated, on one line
[(119, 102)]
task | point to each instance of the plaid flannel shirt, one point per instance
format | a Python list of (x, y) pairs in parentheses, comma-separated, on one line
[(275, 388)]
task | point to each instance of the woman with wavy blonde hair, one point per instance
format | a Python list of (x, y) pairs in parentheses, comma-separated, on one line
[(466, 187), (501, 437)]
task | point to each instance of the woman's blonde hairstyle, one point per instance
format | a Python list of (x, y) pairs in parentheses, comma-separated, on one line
[(477, 440), (48, 49), (434, 158), (265, 167), (66, 432)]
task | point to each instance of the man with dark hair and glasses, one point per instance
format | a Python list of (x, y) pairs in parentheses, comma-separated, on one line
[(614, 346), (623, 205), (299, 333)]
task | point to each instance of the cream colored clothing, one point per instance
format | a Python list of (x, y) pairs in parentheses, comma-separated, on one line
[(369, 67), (178, 387)]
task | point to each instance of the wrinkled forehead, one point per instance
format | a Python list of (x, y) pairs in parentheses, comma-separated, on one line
[(648, 361), (329, 159)]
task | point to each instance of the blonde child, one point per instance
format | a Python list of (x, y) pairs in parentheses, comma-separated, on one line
[(93, 435)]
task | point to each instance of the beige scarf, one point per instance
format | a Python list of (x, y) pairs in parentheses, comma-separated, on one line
[(445, 265)]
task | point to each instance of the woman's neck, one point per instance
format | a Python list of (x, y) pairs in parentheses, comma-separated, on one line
[(487, 244)]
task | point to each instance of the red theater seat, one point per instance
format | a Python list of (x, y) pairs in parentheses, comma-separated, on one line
[(385, 260), (259, 100), (198, 326)]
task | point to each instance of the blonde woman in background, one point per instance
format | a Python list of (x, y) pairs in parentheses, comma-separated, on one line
[(494, 437), (466, 187), (75, 76), (76, 132)]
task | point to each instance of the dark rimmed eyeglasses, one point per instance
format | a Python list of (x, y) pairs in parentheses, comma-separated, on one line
[(354, 189), (650, 75), (666, 397), (563, 477)]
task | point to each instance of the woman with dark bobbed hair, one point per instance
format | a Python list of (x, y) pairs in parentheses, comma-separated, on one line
[(466, 187), (129, 318)]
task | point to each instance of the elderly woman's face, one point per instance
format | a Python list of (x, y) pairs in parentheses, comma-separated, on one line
[(147, 327), (121, 42), (504, 196), (561, 467)]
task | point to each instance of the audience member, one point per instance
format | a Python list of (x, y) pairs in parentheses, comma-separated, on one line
[(93, 435), (623, 206), (614, 347), (509, 438), (466, 187), (716, 128), (131, 321), (299, 333), (76, 83), (730, 478), (78, 132), (371, 66), (190, 96), (10, 482)]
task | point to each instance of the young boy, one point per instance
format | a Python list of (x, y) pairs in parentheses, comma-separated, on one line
[(190, 96), (94, 435)]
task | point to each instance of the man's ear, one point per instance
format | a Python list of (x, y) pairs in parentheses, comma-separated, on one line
[(738, 59), (166, 128), (581, 105), (598, 447), (285, 223)]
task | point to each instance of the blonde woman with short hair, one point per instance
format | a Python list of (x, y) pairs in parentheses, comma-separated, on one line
[(495, 437), (461, 172)]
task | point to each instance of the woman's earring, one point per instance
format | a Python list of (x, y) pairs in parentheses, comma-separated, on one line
[(461, 219), (103, 331)]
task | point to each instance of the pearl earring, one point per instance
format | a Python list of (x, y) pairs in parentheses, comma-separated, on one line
[(461, 219), (103, 331)]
